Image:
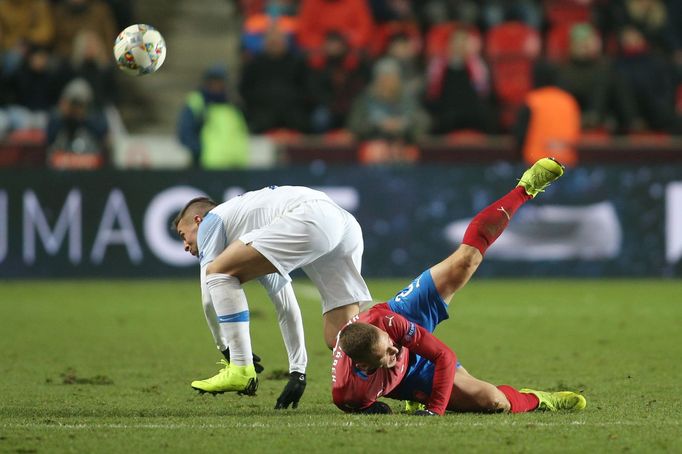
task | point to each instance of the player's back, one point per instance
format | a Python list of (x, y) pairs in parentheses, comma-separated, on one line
[(255, 209)]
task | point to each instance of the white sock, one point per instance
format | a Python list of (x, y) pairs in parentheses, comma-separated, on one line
[(232, 310), (211, 316)]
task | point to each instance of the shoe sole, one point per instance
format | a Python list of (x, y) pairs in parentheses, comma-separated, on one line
[(558, 172), (250, 389)]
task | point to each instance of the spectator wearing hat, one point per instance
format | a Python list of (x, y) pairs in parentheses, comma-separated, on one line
[(77, 134), (388, 115), (211, 127), (387, 109)]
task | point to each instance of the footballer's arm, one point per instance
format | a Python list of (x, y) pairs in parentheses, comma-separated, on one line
[(427, 345)]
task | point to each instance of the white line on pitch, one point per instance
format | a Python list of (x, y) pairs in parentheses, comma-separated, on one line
[(261, 425)]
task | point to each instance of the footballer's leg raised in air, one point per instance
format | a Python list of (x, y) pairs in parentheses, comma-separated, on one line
[(371, 360)]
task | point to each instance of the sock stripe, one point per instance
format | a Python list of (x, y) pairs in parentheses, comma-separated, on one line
[(242, 316)]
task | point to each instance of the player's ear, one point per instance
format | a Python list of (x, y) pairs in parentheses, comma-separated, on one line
[(197, 219)]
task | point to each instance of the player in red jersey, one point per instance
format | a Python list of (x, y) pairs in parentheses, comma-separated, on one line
[(390, 351)]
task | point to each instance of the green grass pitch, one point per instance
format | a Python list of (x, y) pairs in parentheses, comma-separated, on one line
[(105, 367)]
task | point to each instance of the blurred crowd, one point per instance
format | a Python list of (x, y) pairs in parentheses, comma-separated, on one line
[(57, 77), (388, 72), (385, 72)]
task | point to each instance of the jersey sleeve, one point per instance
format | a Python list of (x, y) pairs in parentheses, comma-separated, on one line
[(349, 391), (211, 238), (418, 340)]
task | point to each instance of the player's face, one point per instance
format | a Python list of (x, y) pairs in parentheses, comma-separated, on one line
[(187, 229), (385, 354)]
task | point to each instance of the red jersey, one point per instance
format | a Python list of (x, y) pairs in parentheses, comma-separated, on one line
[(353, 389)]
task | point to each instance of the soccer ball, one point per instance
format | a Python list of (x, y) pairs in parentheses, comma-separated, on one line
[(139, 50)]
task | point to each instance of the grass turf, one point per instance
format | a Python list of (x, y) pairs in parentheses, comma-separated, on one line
[(105, 367)]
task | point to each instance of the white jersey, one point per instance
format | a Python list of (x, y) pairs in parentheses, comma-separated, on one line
[(252, 210)]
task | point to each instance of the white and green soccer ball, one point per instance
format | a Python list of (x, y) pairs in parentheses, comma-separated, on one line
[(139, 50)]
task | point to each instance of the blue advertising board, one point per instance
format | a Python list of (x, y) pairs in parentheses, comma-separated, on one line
[(597, 221)]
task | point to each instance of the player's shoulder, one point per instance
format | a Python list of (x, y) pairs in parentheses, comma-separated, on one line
[(381, 315), (211, 225)]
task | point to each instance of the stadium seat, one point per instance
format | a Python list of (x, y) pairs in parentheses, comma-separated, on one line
[(338, 136), (595, 136), (250, 7), (512, 39), (649, 137), (468, 136), (31, 136), (567, 11), (437, 38), (511, 49), (384, 32), (557, 42), (283, 135)]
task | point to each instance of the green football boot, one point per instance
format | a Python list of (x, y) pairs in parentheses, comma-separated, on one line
[(541, 174), (557, 401), (231, 378), (412, 406)]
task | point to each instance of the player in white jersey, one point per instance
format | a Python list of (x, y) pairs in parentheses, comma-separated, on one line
[(267, 234)]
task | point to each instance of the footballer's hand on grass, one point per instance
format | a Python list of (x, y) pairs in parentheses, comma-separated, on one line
[(292, 391), (257, 365), (377, 408), (425, 413)]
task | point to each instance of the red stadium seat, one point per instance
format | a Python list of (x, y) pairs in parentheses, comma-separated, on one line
[(557, 42), (283, 135), (512, 39), (511, 49), (27, 137), (438, 36), (338, 136), (567, 11), (468, 136), (250, 7), (384, 32), (594, 136)]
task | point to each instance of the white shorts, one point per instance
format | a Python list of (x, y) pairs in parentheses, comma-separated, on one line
[(322, 239)]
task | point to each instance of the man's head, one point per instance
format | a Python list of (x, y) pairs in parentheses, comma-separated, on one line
[(585, 44), (276, 42), (387, 82), (214, 84), (75, 100), (186, 223), (368, 346)]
